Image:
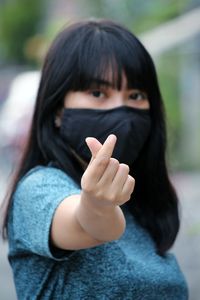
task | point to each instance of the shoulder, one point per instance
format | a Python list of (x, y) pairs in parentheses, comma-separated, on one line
[(45, 175), (41, 190), (43, 181), (36, 198)]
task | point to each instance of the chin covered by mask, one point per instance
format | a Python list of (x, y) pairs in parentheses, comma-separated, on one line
[(130, 125)]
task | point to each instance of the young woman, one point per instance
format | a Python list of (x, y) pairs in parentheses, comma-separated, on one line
[(92, 213)]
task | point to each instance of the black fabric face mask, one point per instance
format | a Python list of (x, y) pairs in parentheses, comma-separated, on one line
[(130, 125)]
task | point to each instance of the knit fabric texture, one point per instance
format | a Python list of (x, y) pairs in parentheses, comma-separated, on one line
[(128, 268)]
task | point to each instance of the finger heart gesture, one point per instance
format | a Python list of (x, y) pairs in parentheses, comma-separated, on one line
[(106, 182)]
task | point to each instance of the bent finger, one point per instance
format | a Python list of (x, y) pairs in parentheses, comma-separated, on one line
[(128, 187), (109, 172)]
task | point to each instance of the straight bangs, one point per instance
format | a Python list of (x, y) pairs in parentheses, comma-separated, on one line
[(103, 59)]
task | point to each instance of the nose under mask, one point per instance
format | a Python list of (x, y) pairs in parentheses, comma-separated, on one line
[(130, 125)]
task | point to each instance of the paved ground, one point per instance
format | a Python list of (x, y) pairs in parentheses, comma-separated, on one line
[(187, 247)]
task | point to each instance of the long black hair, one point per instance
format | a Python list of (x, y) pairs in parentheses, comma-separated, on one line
[(81, 52)]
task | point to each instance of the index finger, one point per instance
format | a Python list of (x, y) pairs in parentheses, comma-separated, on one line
[(107, 148), (100, 160)]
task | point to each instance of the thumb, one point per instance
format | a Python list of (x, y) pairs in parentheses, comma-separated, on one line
[(94, 145)]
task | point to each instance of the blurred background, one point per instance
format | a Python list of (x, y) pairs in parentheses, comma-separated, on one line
[(170, 30)]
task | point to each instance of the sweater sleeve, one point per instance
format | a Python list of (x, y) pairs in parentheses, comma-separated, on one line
[(36, 198)]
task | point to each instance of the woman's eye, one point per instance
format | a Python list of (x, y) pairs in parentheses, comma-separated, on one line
[(97, 94), (138, 96)]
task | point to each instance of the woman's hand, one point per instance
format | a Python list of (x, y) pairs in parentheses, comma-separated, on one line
[(105, 183)]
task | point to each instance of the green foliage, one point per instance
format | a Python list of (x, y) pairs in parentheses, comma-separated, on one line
[(19, 21), (137, 15), (168, 72)]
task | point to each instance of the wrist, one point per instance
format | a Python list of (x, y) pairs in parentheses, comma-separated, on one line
[(95, 206), (102, 223)]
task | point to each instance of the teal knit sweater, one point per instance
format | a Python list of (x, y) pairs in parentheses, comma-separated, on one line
[(127, 268)]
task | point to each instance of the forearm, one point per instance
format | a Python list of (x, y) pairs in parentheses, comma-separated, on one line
[(102, 223), (76, 226)]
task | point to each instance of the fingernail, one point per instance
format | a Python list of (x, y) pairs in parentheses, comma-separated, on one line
[(111, 137), (87, 139)]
